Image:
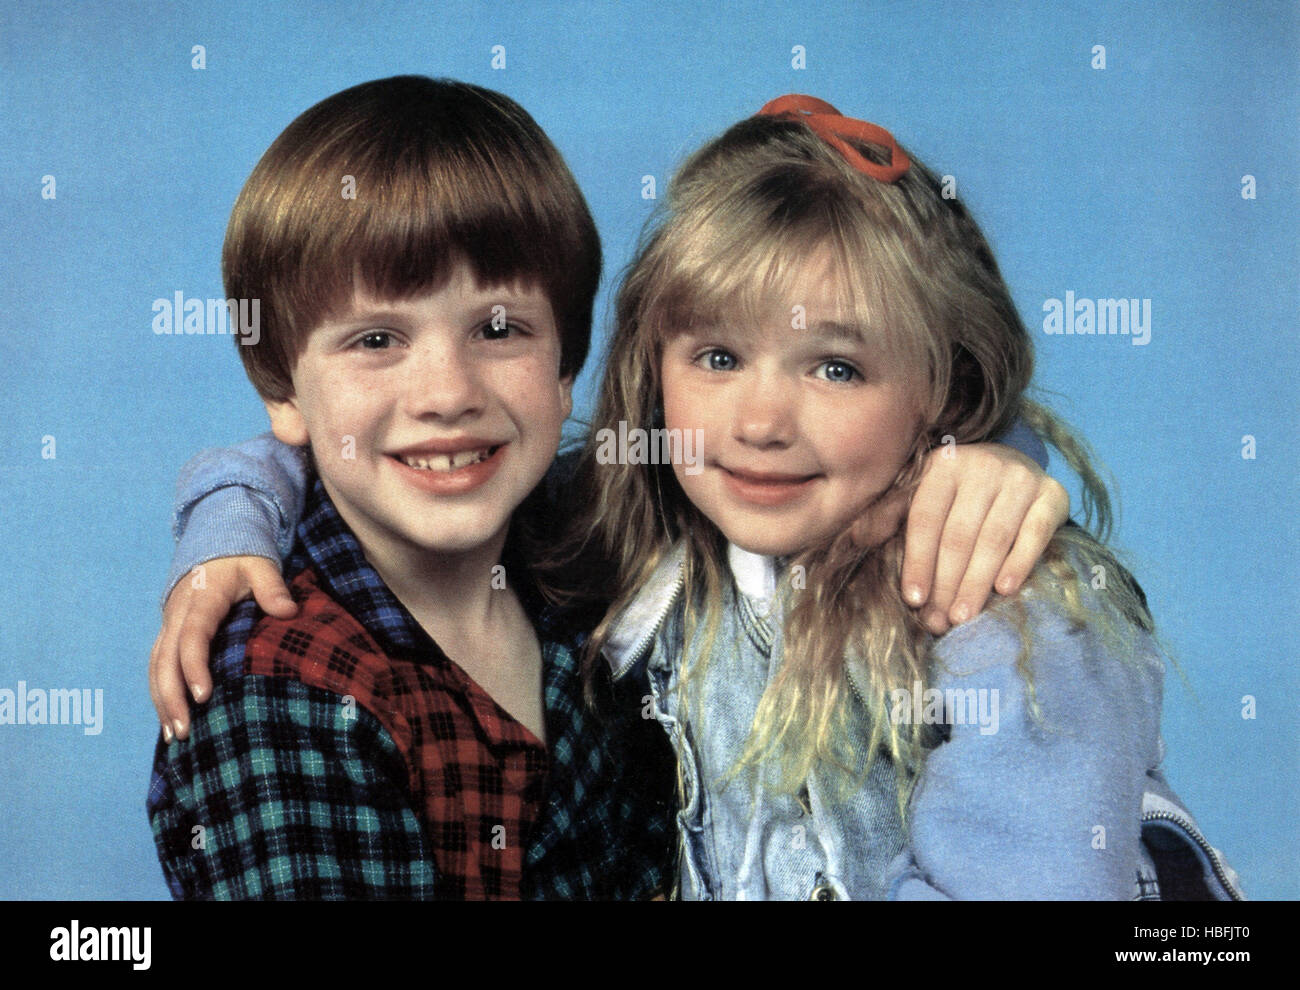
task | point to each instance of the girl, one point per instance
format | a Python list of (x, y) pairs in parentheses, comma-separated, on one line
[(815, 306)]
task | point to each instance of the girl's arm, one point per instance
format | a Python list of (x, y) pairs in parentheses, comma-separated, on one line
[(1018, 805), (238, 501), (235, 515)]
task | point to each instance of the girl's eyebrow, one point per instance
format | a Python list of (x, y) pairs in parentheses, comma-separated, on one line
[(853, 333)]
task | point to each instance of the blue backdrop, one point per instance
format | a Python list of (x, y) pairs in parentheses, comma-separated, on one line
[(1159, 166)]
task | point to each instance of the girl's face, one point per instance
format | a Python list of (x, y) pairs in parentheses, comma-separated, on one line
[(805, 419)]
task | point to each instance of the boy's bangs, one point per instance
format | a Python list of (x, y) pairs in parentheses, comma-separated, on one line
[(409, 240)]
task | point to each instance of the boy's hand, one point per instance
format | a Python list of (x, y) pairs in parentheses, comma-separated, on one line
[(981, 517), (194, 610)]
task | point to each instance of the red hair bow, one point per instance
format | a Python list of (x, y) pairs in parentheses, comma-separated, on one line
[(833, 127)]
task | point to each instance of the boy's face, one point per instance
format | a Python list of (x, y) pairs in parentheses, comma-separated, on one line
[(431, 419), (801, 427)]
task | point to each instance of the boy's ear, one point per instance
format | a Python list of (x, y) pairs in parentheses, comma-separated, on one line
[(286, 422), (566, 395)]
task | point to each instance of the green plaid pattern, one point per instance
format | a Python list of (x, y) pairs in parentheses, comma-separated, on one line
[(284, 793)]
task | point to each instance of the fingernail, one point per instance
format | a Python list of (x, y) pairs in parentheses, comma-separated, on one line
[(197, 691), (913, 594), (167, 733), (961, 613), (179, 728)]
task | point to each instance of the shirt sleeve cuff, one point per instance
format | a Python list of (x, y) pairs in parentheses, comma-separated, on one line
[(1021, 437), (229, 522)]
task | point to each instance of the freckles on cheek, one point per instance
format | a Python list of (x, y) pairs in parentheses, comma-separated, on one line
[(340, 408)]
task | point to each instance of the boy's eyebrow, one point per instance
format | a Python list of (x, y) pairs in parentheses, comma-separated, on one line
[(360, 317), (388, 312)]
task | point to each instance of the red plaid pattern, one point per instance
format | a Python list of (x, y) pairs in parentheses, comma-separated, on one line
[(477, 775)]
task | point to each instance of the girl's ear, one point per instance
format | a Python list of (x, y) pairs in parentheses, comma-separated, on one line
[(287, 422)]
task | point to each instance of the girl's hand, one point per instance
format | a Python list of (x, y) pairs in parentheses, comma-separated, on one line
[(194, 610), (981, 517)]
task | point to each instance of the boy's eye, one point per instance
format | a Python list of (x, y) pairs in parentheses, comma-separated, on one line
[(838, 371), (376, 340), (498, 330)]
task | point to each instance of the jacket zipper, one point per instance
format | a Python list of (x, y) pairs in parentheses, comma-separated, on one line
[(647, 643), (1199, 839)]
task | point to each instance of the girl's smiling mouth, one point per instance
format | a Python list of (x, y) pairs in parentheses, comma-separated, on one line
[(766, 488)]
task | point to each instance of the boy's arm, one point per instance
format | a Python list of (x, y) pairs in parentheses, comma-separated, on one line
[(979, 520), (283, 792)]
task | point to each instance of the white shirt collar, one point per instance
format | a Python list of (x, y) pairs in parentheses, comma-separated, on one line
[(755, 575)]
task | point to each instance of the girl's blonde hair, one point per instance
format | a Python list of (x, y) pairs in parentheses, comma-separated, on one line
[(741, 219)]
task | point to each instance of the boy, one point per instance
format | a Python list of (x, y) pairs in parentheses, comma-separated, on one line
[(426, 267)]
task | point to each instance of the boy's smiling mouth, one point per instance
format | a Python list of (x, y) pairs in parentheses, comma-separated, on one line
[(449, 462), (450, 467)]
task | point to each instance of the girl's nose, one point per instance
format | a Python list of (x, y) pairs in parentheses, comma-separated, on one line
[(765, 415)]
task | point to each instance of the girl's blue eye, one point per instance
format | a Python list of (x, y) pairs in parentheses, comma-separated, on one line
[(720, 360), (838, 371)]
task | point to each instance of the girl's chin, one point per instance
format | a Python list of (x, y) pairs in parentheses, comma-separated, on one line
[(772, 542), (763, 546)]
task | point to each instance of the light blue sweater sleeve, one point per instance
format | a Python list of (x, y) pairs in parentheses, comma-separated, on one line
[(237, 501), (1015, 805)]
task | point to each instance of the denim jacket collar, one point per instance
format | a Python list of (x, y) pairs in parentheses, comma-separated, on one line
[(633, 633), (632, 636)]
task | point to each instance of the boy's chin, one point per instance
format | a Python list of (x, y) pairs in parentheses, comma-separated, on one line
[(438, 545)]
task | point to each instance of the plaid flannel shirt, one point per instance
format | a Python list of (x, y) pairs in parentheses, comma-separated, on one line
[(342, 755)]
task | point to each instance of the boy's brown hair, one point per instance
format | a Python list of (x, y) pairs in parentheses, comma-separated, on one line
[(442, 172)]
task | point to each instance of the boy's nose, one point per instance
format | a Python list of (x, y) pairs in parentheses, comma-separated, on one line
[(443, 383)]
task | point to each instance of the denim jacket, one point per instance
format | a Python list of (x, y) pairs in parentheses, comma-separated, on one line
[(1068, 804)]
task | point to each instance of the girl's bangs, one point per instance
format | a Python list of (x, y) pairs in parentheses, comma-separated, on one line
[(734, 267)]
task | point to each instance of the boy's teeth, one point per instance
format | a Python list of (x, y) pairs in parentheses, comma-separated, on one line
[(448, 462)]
